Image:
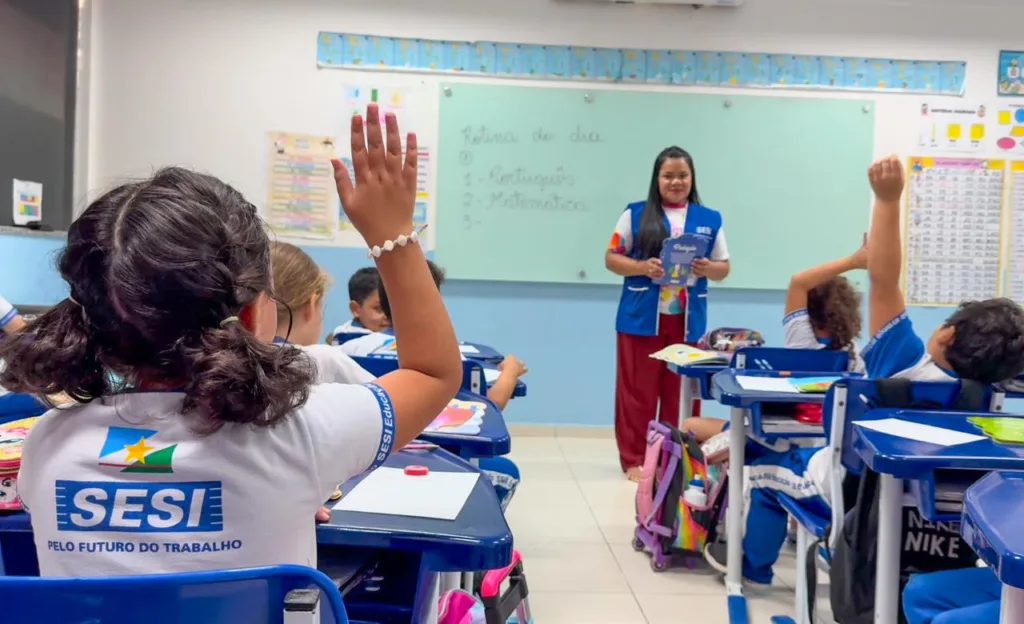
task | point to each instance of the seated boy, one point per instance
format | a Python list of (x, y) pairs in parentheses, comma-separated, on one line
[(982, 341), (364, 304)]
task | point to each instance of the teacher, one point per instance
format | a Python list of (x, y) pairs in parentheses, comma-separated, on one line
[(651, 317)]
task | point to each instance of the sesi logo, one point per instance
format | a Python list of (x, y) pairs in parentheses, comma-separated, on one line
[(139, 507), (703, 229)]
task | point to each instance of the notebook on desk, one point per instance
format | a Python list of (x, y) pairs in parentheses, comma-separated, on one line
[(460, 417), (685, 355)]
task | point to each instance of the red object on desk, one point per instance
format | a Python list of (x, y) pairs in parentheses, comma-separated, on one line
[(808, 413), (417, 471)]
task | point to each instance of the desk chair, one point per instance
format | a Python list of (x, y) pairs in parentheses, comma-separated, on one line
[(847, 401), (283, 594), (472, 371), (792, 360), (15, 406)]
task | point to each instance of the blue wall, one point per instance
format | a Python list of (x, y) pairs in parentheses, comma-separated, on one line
[(564, 333)]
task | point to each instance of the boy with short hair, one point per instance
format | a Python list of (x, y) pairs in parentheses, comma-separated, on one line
[(364, 304), (982, 341)]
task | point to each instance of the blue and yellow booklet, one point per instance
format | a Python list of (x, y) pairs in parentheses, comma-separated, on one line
[(677, 256)]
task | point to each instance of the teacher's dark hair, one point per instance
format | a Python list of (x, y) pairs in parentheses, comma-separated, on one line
[(652, 227), (159, 271)]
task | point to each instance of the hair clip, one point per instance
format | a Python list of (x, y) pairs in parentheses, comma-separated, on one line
[(230, 319)]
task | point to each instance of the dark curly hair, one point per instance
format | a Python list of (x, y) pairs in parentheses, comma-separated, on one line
[(988, 340), (154, 267), (834, 308)]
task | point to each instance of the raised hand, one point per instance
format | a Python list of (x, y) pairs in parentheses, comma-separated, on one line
[(380, 203), (886, 177)]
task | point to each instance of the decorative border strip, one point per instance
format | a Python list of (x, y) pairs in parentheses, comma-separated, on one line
[(660, 67)]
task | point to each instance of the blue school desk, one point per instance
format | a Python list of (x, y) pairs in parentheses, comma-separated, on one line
[(695, 382), (478, 539), (477, 351), (991, 525), (744, 404), (492, 441), (473, 371), (898, 459)]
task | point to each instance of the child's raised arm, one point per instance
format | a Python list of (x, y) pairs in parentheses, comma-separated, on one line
[(806, 281), (380, 205), (885, 257)]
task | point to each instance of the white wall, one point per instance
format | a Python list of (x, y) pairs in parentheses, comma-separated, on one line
[(200, 82)]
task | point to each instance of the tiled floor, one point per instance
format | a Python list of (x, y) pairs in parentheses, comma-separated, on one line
[(572, 518)]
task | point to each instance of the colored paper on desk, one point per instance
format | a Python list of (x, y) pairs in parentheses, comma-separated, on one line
[(685, 355), (1001, 428), (460, 417), (919, 432), (766, 384), (466, 349), (814, 385), (389, 491)]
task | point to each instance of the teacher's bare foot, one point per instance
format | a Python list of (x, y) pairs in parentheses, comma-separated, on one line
[(633, 474)]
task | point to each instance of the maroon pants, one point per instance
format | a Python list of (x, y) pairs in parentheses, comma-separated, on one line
[(640, 382)]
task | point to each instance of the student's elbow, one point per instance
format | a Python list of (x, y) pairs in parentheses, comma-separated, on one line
[(450, 375), (609, 260)]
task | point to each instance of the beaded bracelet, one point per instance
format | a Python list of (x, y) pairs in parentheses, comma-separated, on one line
[(389, 245)]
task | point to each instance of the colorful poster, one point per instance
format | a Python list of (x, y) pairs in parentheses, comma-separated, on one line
[(534, 61), (732, 70), (1011, 73), (407, 53), (953, 75), (431, 55), (758, 69), (455, 57), (929, 77), (953, 230), (808, 71), (356, 50), (709, 68), (381, 51), (634, 65), (659, 67), (301, 188), (878, 74), (558, 61), (27, 201), (581, 65), (330, 49), (832, 71), (1009, 128), (508, 59), (784, 69), (856, 73), (482, 58), (608, 64), (960, 127), (684, 67), (904, 75)]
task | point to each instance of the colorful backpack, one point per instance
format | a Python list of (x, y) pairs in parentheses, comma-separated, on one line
[(730, 339), (512, 607), (666, 523), (12, 440)]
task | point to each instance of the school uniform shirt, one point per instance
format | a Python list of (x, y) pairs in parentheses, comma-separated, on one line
[(894, 352), (123, 486), (7, 312), (370, 344), (351, 327), (670, 299), (799, 334), (334, 366)]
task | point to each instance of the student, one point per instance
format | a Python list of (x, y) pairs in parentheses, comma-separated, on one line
[(10, 320), (822, 312), (226, 447), (503, 472), (364, 304), (299, 290), (966, 596), (981, 341)]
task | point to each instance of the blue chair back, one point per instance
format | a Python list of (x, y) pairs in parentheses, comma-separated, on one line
[(252, 595), (472, 371), (15, 406), (343, 337), (792, 360)]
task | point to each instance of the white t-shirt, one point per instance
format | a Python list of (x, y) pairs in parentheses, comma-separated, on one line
[(894, 352), (334, 366), (622, 243), (800, 335), (122, 486), (374, 343)]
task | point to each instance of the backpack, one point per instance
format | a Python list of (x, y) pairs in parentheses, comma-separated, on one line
[(853, 563), (12, 439), (666, 523), (493, 607), (730, 339)]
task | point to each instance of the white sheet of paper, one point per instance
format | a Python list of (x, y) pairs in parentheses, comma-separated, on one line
[(765, 384), (466, 349), (919, 432), (27, 201), (389, 491), (491, 375)]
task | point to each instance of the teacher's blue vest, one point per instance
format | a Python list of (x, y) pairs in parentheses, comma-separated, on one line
[(638, 306)]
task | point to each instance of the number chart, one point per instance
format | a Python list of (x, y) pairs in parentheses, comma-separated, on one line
[(1015, 257), (952, 230)]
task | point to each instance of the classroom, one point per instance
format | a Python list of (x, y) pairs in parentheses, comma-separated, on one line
[(653, 422)]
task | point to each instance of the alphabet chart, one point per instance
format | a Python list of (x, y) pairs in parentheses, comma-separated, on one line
[(1014, 287), (952, 230)]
